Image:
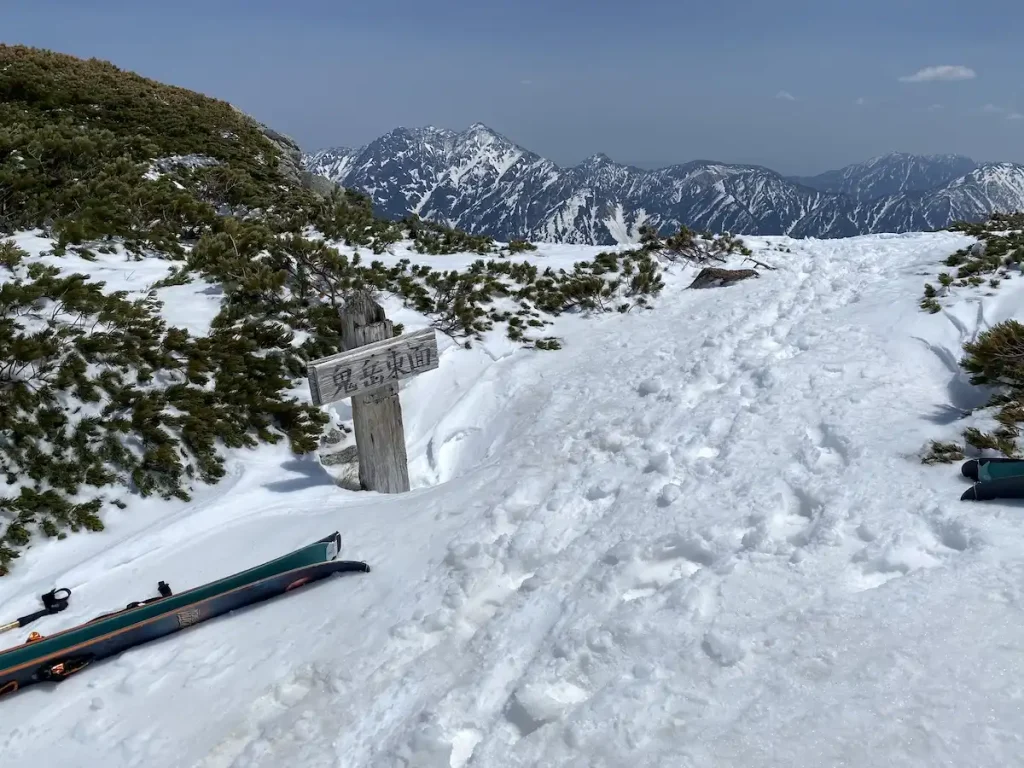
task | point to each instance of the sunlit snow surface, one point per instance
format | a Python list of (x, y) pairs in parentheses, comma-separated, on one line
[(696, 536)]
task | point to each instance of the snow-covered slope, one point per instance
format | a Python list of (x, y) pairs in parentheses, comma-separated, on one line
[(333, 163), (894, 173), (480, 181), (696, 536)]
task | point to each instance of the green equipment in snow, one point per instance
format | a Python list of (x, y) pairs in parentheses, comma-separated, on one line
[(58, 656)]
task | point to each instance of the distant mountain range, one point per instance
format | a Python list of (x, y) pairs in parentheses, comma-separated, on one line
[(481, 182)]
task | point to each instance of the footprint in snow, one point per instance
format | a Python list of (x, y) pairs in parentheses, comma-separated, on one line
[(649, 387), (535, 705), (725, 650), (669, 494), (876, 564), (827, 449), (666, 561)]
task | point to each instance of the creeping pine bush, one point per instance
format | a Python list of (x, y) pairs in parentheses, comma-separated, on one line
[(995, 358), (97, 394), (96, 390), (302, 282), (998, 255), (693, 247)]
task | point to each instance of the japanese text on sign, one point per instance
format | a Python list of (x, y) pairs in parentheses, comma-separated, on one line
[(373, 366), (375, 372)]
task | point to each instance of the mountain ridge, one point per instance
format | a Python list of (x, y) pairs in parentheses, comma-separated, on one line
[(891, 173), (481, 181)]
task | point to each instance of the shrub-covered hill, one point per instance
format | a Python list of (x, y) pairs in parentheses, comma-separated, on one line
[(99, 397)]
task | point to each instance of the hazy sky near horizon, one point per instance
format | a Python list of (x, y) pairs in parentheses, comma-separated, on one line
[(801, 86)]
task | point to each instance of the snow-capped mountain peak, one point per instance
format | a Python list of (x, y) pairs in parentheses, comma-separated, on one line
[(595, 161), (482, 181), (894, 173)]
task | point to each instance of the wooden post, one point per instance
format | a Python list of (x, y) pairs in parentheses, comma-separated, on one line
[(368, 371), (376, 415)]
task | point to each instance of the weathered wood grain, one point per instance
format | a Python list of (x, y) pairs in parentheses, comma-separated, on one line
[(368, 371)]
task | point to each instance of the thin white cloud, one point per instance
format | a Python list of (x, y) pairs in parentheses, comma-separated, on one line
[(995, 109), (946, 72), (861, 101), (785, 96), (935, 107), (526, 82)]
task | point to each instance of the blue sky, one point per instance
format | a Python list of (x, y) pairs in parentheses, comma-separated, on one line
[(799, 85)]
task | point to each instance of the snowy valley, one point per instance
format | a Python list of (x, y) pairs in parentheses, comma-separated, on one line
[(696, 535)]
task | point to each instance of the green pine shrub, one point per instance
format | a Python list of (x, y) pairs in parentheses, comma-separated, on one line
[(995, 359), (520, 246), (98, 395), (1002, 239)]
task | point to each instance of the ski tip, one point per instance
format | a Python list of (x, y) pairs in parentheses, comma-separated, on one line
[(333, 543), (351, 566), (970, 469)]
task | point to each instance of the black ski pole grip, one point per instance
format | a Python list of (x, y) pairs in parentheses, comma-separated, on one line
[(56, 600)]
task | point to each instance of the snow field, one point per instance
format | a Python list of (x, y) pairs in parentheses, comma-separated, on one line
[(695, 536)]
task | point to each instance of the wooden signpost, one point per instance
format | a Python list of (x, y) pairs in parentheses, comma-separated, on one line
[(368, 371)]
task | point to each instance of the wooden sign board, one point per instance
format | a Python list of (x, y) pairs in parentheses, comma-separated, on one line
[(372, 366)]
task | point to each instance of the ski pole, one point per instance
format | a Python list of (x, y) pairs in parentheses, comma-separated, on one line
[(54, 601)]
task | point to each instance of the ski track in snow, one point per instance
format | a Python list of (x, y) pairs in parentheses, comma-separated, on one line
[(695, 536)]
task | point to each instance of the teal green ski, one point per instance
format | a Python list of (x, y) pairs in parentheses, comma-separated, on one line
[(58, 656)]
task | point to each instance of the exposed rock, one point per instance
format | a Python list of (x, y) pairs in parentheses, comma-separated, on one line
[(346, 455), (291, 156), (715, 277), (333, 437), (290, 163), (167, 164)]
